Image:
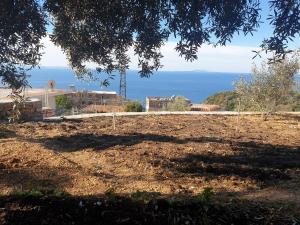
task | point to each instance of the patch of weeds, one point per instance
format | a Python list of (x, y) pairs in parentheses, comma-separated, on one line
[(110, 194), (41, 193), (205, 199), (56, 193), (30, 193), (206, 196), (144, 196)]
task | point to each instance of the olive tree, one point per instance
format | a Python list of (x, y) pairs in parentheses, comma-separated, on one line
[(22, 25), (101, 31), (269, 85)]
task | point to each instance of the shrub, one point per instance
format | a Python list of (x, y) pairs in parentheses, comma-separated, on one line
[(269, 87), (179, 104), (63, 102), (228, 100), (206, 196), (134, 106)]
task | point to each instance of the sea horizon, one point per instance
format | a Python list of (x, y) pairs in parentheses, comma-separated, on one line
[(195, 85)]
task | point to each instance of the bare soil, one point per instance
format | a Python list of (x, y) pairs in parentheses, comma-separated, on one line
[(244, 158)]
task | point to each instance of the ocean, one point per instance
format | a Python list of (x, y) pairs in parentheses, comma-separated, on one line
[(195, 85)]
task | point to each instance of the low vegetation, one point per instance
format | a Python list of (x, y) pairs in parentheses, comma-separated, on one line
[(41, 193), (228, 100), (63, 102), (179, 104), (269, 86), (133, 106), (123, 210)]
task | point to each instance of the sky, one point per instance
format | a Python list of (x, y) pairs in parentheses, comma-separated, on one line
[(234, 57)]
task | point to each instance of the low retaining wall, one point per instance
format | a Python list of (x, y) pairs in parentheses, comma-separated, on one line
[(30, 111)]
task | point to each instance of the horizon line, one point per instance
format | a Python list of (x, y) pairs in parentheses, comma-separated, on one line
[(157, 71)]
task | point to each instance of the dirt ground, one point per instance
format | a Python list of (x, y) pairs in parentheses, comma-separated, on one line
[(173, 155)]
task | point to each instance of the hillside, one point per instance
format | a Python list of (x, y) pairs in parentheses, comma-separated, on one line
[(228, 100)]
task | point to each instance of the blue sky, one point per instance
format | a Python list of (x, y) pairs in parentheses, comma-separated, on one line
[(235, 57)]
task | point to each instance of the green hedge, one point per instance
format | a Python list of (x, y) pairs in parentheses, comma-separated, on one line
[(134, 106)]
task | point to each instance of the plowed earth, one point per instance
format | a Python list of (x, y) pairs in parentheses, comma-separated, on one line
[(173, 155)]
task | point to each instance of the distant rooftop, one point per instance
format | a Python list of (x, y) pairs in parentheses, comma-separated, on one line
[(104, 92), (156, 98), (159, 98)]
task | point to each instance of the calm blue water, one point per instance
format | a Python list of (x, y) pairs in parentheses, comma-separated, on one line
[(196, 86)]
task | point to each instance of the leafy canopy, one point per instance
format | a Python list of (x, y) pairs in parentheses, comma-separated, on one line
[(134, 106), (178, 104), (230, 100), (63, 102), (103, 31), (22, 25), (269, 86)]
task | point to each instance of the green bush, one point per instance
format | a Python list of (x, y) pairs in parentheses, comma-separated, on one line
[(206, 196), (228, 100), (179, 104), (41, 193), (63, 102), (134, 106), (269, 87)]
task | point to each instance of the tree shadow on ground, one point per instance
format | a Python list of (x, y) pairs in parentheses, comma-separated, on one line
[(23, 179), (114, 209), (79, 142), (251, 159), (6, 133)]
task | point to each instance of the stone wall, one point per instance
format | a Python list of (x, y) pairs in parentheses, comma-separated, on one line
[(155, 104), (30, 111), (90, 98)]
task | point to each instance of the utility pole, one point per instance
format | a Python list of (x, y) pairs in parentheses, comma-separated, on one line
[(122, 87)]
